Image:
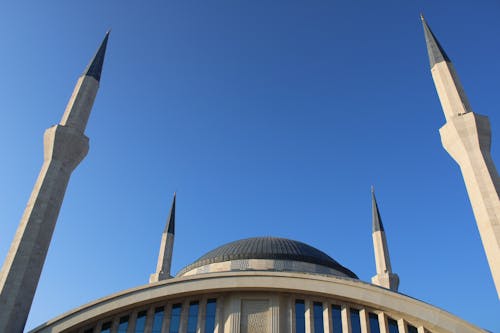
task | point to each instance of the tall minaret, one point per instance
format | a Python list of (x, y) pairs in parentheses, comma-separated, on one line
[(384, 278), (65, 145), (466, 136), (166, 249)]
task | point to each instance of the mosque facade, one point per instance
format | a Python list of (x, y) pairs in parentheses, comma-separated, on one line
[(253, 285)]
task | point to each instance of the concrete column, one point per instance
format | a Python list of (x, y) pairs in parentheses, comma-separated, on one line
[(363, 317), (327, 318), (184, 317), (293, 314), (382, 321), (309, 319), (275, 314), (98, 326), (288, 314), (148, 327), (346, 319), (219, 315), (131, 322), (166, 318), (234, 314), (402, 328), (202, 311), (114, 326)]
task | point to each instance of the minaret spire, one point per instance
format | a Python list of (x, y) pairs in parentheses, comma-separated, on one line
[(384, 278), (436, 52), (450, 90), (94, 67), (466, 136), (65, 146), (80, 104), (376, 220), (166, 248)]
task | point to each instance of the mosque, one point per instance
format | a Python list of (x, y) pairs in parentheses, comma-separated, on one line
[(253, 285)]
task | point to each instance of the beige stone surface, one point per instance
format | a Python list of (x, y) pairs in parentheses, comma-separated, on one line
[(384, 278), (234, 285), (65, 146), (466, 136), (264, 264), (450, 90), (164, 258)]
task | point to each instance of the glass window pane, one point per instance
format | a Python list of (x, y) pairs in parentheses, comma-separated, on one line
[(300, 319), (393, 325), (318, 317), (412, 329), (336, 319), (175, 318), (374, 325), (158, 320), (355, 321), (210, 316), (192, 317), (140, 322), (123, 324), (106, 327)]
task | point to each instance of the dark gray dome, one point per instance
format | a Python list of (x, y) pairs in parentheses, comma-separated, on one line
[(268, 248)]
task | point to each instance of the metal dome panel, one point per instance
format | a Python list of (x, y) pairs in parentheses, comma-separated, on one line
[(273, 248)]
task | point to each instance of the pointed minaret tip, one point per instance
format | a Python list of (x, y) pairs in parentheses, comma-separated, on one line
[(170, 227), (385, 277), (94, 68), (434, 49), (377, 221), (166, 248)]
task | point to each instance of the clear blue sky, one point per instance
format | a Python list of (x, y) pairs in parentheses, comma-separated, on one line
[(267, 118)]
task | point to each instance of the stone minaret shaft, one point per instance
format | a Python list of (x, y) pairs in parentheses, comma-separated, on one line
[(466, 136), (384, 278), (65, 145), (166, 249)]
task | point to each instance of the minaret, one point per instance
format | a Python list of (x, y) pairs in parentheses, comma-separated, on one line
[(384, 278), (166, 249), (65, 145), (466, 136)]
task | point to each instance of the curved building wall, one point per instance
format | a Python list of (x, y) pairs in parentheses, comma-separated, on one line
[(264, 265), (258, 302)]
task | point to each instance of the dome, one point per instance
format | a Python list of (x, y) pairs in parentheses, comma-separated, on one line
[(271, 248)]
